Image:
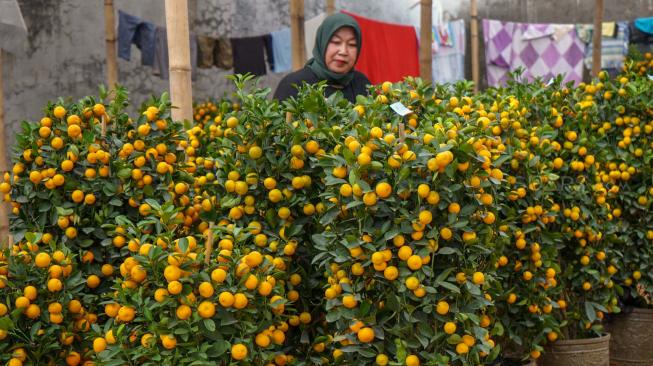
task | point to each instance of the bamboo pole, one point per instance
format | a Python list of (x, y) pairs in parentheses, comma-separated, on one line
[(297, 34), (4, 218), (597, 33), (330, 7), (209, 244), (425, 55), (110, 39), (181, 93), (474, 46)]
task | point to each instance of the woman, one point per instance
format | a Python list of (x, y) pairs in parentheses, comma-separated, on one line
[(337, 46)]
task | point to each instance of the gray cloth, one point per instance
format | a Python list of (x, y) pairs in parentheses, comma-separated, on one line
[(161, 60), (205, 48), (13, 32), (132, 29)]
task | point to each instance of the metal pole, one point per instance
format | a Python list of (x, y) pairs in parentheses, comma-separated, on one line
[(181, 93)]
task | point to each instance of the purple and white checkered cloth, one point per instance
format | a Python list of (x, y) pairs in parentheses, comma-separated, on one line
[(543, 50)]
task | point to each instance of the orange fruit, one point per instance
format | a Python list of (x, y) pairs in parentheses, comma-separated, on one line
[(238, 350), (365, 335), (383, 190)]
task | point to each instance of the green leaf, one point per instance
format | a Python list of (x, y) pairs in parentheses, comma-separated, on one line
[(449, 286), (124, 173), (590, 312), (209, 324)]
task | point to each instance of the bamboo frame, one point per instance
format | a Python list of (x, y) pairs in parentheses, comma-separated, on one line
[(209, 244), (110, 40), (426, 35), (297, 34), (330, 7), (597, 33), (4, 214), (474, 43), (181, 93)]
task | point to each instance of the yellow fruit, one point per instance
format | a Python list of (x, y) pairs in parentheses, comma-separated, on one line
[(168, 341), (425, 217), (366, 335), (412, 360), (383, 190), (414, 262), (183, 312), (442, 308), (349, 301), (59, 112), (478, 278), (42, 260), (449, 327), (99, 344), (175, 287), (238, 352), (226, 299), (206, 290)]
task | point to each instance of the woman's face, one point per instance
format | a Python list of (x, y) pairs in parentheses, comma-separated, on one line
[(342, 51)]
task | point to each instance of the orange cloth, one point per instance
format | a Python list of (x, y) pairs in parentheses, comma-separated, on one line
[(389, 51)]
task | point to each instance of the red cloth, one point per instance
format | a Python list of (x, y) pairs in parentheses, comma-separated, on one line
[(389, 51)]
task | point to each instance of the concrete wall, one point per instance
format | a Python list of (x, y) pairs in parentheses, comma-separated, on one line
[(66, 52)]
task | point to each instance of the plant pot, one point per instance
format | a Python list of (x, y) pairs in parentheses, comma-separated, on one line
[(578, 352), (517, 362), (631, 343)]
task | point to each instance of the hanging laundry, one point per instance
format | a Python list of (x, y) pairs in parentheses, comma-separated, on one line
[(250, 54), (132, 29), (448, 63), (310, 30), (223, 55), (613, 49), (205, 49), (388, 51), (161, 61), (645, 25), (281, 51), (509, 46), (609, 29), (443, 35)]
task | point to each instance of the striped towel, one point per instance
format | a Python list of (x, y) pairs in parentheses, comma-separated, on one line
[(613, 49)]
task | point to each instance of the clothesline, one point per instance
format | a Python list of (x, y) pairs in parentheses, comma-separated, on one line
[(390, 51)]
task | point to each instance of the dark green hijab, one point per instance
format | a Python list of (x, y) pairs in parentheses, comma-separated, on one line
[(324, 32)]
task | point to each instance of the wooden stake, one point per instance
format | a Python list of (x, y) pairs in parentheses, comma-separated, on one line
[(181, 93), (297, 34), (330, 7), (474, 46), (4, 218), (426, 37), (110, 38), (597, 33), (209, 244), (104, 125)]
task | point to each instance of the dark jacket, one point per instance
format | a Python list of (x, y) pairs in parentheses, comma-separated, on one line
[(287, 85)]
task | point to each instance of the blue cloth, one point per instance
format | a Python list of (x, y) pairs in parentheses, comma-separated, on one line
[(645, 25), (132, 29), (161, 61), (281, 50)]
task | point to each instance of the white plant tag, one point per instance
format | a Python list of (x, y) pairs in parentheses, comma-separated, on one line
[(400, 109)]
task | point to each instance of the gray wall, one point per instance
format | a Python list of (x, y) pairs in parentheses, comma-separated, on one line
[(65, 51)]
